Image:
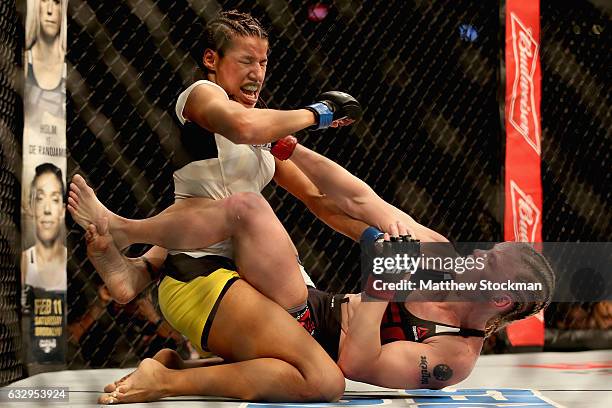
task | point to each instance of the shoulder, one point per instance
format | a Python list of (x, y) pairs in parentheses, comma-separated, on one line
[(457, 352), (451, 359), (195, 93)]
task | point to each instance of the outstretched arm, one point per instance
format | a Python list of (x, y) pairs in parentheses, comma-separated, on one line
[(354, 196), (288, 176), (209, 107)]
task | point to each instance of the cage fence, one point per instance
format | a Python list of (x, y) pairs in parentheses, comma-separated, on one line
[(430, 141)]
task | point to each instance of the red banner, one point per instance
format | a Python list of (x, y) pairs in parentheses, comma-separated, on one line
[(523, 184)]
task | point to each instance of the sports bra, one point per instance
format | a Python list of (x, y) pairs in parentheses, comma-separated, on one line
[(397, 324)]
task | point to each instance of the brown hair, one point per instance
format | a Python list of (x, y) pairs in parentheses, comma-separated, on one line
[(44, 169), (227, 25)]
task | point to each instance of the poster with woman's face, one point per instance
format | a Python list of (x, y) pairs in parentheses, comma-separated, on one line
[(44, 256)]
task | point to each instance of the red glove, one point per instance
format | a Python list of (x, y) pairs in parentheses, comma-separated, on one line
[(283, 148)]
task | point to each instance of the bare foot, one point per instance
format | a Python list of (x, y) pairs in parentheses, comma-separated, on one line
[(167, 357), (122, 278), (143, 385), (171, 360), (86, 209)]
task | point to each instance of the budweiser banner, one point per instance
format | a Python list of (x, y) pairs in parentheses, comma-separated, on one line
[(43, 261), (523, 185)]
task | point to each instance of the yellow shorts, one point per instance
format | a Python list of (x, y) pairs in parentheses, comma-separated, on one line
[(190, 307)]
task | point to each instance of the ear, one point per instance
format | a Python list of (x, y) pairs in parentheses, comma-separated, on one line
[(501, 301), (210, 59)]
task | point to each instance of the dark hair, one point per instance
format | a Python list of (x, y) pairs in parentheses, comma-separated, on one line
[(221, 30), (48, 168), (536, 269)]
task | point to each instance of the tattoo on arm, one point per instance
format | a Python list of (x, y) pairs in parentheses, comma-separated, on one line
[(424, 373), (442, 372)]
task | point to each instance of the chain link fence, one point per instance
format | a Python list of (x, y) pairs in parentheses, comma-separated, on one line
[(11, 125), (430, 142), (576, 140)]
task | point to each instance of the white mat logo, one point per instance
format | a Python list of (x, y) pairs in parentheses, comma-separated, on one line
[(525, 214), (523, 114)]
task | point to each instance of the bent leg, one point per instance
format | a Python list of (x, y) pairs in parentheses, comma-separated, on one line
[(174, 228), (277, 361), (265, 255)]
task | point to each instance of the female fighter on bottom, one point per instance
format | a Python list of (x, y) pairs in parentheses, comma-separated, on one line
[(379, 342)]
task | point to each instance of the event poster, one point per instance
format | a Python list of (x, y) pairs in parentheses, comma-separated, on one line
[(43, 205)]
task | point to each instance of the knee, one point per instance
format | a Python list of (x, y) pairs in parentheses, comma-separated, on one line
[(328, 386), (244, 206), (334, 387)]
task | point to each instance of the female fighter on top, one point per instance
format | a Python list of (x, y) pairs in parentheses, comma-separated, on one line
[(204, 298), (377, 342), (223, 139), (221, 136)]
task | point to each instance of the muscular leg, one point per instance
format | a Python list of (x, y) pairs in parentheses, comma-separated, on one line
[(278, 360), (177, 227), (265, 255)]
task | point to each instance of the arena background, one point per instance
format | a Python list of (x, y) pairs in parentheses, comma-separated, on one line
[(431, 139)]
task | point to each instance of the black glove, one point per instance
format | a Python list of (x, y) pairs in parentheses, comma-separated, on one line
[(334, 105)]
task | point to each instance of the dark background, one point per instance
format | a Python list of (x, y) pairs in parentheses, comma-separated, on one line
[(431, 139)]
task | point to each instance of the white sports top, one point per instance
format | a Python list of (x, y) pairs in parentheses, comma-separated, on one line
[(217, 168)]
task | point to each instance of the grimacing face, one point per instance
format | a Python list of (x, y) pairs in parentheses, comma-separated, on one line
[(49, 208), (49, 15), (242, 69)]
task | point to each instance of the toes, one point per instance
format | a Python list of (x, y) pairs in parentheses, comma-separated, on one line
[(78, 180), (75, 188), (81, 184), (94, 231), (73, 195), (107, 399), (103, 226), (72, 202), (110, 387), (91, 233)]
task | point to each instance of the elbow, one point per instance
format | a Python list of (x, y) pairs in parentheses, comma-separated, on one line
[(345, 367), (350, 367)]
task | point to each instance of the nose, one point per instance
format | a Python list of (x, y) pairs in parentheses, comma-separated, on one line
[(47, 207), (50, 7), (257, 73)]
